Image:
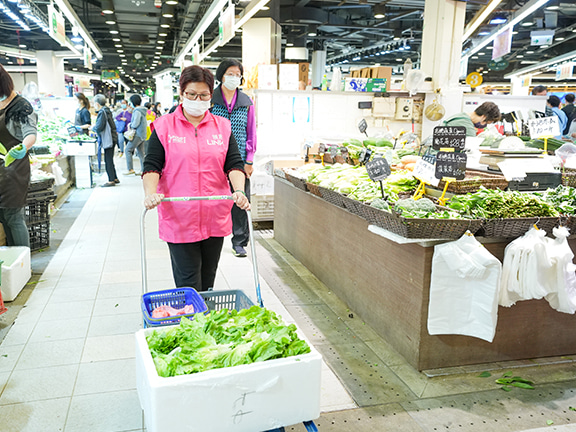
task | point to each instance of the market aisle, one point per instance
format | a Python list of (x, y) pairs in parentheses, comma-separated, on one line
[(67, 364)]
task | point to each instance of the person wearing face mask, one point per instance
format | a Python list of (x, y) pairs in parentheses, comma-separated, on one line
[(192, 153), (482, 116), (138, 122), (105, 128), (233, 104), (122, 120), (82, 120), (17, 135)]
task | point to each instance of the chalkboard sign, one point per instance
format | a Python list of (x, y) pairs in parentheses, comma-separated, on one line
[(362, 126), (365, 155), (450, 164), (333, 151), (449, 137), (72, 131), (378, 169)]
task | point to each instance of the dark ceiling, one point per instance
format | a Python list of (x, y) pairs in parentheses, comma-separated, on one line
[(348, 29)]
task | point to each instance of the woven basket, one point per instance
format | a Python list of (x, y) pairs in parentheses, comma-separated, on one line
[(314, 189), (298, 182), (420, 228), (331, 196), (516, 227), (353, 206), (471, 184)]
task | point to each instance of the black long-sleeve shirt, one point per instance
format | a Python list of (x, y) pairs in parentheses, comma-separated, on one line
[(156, 156)]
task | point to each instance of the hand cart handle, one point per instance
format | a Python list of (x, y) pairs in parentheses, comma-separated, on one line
[(202, 198)]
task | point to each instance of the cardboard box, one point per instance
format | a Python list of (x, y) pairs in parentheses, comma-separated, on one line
[(261, 183), (247, 398), (383, 72), (16, 270), (303, 72)]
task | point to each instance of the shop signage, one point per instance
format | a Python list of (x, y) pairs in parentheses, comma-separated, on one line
[(87, 58), (452, 137), (541, 37), (378, 169), (424, 170), (544, 127), (57, 25), (451, 165), (376, 85), (502, 44), (564, 71), (498, 65), (226, 25), (474, 79), (109, 74), (149, 92), (362, 126)]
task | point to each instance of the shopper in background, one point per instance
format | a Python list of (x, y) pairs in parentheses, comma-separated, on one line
[(193, 153), (82, 120), (150, 117), (553, 103), (122, 121), (482, 116), (570, 111), (105, 128), (138, 123), (157, 109), (18, 135), (233, 104), (540, 90)]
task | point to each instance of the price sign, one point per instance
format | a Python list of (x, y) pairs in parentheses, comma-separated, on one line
[(449, 137), (344, 152), (424, 170), (545, 126), (474, 79), (362, 126), (72, 131), (333, 151), (450, 164), (322, 149), (378, 169)]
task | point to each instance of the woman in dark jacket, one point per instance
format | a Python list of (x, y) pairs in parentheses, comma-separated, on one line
[(82, 120), (17, 135), (107, 136), (231, 103)]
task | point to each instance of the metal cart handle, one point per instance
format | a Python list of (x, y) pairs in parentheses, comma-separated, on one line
[(202, 198)]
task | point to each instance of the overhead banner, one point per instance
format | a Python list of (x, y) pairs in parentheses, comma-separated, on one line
[(196, 54), (110, 74), (57, 26), (502, 44), (87, 57), (564, 71), (226, 25)]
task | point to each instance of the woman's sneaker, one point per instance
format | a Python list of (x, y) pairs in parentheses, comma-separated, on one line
[(239, 251), (131, 172)]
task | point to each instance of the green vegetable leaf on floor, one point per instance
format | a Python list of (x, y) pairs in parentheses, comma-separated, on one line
[(572, 408), (506, 388), (549, 422), (485, 374), (507, 374)]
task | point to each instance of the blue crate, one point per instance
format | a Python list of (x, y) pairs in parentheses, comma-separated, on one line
[(177, 298)]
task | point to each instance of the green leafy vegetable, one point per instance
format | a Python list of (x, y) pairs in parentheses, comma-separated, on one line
[(506, 388), (572, 408), (549, 422), (508, 380), (223, 339), (485, 374), (563, 198)]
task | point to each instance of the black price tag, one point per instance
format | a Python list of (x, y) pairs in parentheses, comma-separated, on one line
[(378, 169), (72, 131), (450, 164), (333, 151), (362, 126), (344, 152), (449, 137), (365, 155), (322, 149)]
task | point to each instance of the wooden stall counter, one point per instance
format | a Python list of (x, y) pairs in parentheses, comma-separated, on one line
[(388, 285)]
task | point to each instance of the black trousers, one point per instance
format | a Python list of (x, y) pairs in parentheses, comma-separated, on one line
[(109, 161), (194, 264), (240, 233)]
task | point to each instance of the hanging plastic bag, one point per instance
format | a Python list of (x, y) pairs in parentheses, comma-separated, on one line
[(31, 94), (562, 274)]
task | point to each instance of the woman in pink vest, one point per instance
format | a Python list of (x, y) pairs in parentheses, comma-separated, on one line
[(193, 153)]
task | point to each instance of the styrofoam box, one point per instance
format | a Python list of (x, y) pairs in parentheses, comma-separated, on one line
[(247, 398), (16, 270)]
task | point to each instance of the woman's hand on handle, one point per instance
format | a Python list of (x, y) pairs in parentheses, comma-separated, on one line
[(240, 200), (152, 200)]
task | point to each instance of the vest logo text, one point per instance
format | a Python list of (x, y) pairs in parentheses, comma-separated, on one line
[(176, 139)]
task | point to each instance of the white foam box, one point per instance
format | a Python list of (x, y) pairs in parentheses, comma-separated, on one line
[(247, 398), (16, 270)]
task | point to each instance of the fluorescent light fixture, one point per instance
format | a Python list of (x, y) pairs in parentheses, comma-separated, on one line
[(379, 16), (165, 25), (161, 41), (527, 24), (312, 34), (162, 34), (540, 65), (529, 52), (474, 57), (171, 2), (114, 32), (265, 8), (18, 53), (107, 7), (118, 45), (119, 51), (22, 46), (289, 44), (497, 20), (560, 39), (8, 12), (76, 39), (116, 39), (122, 55), (483, 33), (521, 14), (67, 10), (520, 56), (110, 22)]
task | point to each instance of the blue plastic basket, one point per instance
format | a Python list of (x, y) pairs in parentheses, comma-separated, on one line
[(226, 299), (177, 298)]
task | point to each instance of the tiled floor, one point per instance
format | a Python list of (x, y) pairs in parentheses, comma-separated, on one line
[(67, 364)]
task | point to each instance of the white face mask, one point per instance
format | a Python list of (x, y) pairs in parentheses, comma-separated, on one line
[(231, 82), (195, 108)]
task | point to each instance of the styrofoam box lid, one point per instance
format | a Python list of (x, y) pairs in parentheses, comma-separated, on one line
[(11, 254), (246, 398)]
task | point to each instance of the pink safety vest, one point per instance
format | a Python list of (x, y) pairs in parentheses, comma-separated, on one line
[(194, 167)]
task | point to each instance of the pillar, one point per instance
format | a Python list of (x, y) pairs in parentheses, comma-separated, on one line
[(441, 51), (50, 74), (261, 43), (318, 62)]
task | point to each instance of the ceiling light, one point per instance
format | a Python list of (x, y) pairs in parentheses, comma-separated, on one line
[(22, 46), (560, 39), (529, 52), (120, 51), (118, 45), (116, 39), (114, 32), (162, 34), (553, 7), (396, 38), (398, 59), (110, 22), (483, 33), (165, 25), (76, 39), (107, 7), (520, 56), (498, 19), (168, 10), (122, 55), (527, 24), (481, 53), (474, 57), (265, 8), (165, 22), (544, 46), (74, 69), (171, 2), (161, 41), (514, 32), (289, 44), (379, 16), (474, 24)]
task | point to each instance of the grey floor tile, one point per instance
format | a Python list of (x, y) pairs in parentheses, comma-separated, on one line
[(68, 310), (18, 334), (117, 306), (104, 348), (53, 353), (9, 355), (116, 290), (39, 384), (110, 325), (105, 412), (60, 329), (120, 375), (76, 281), (121, 277), (40, 416), (4, 376), (72, 294)]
